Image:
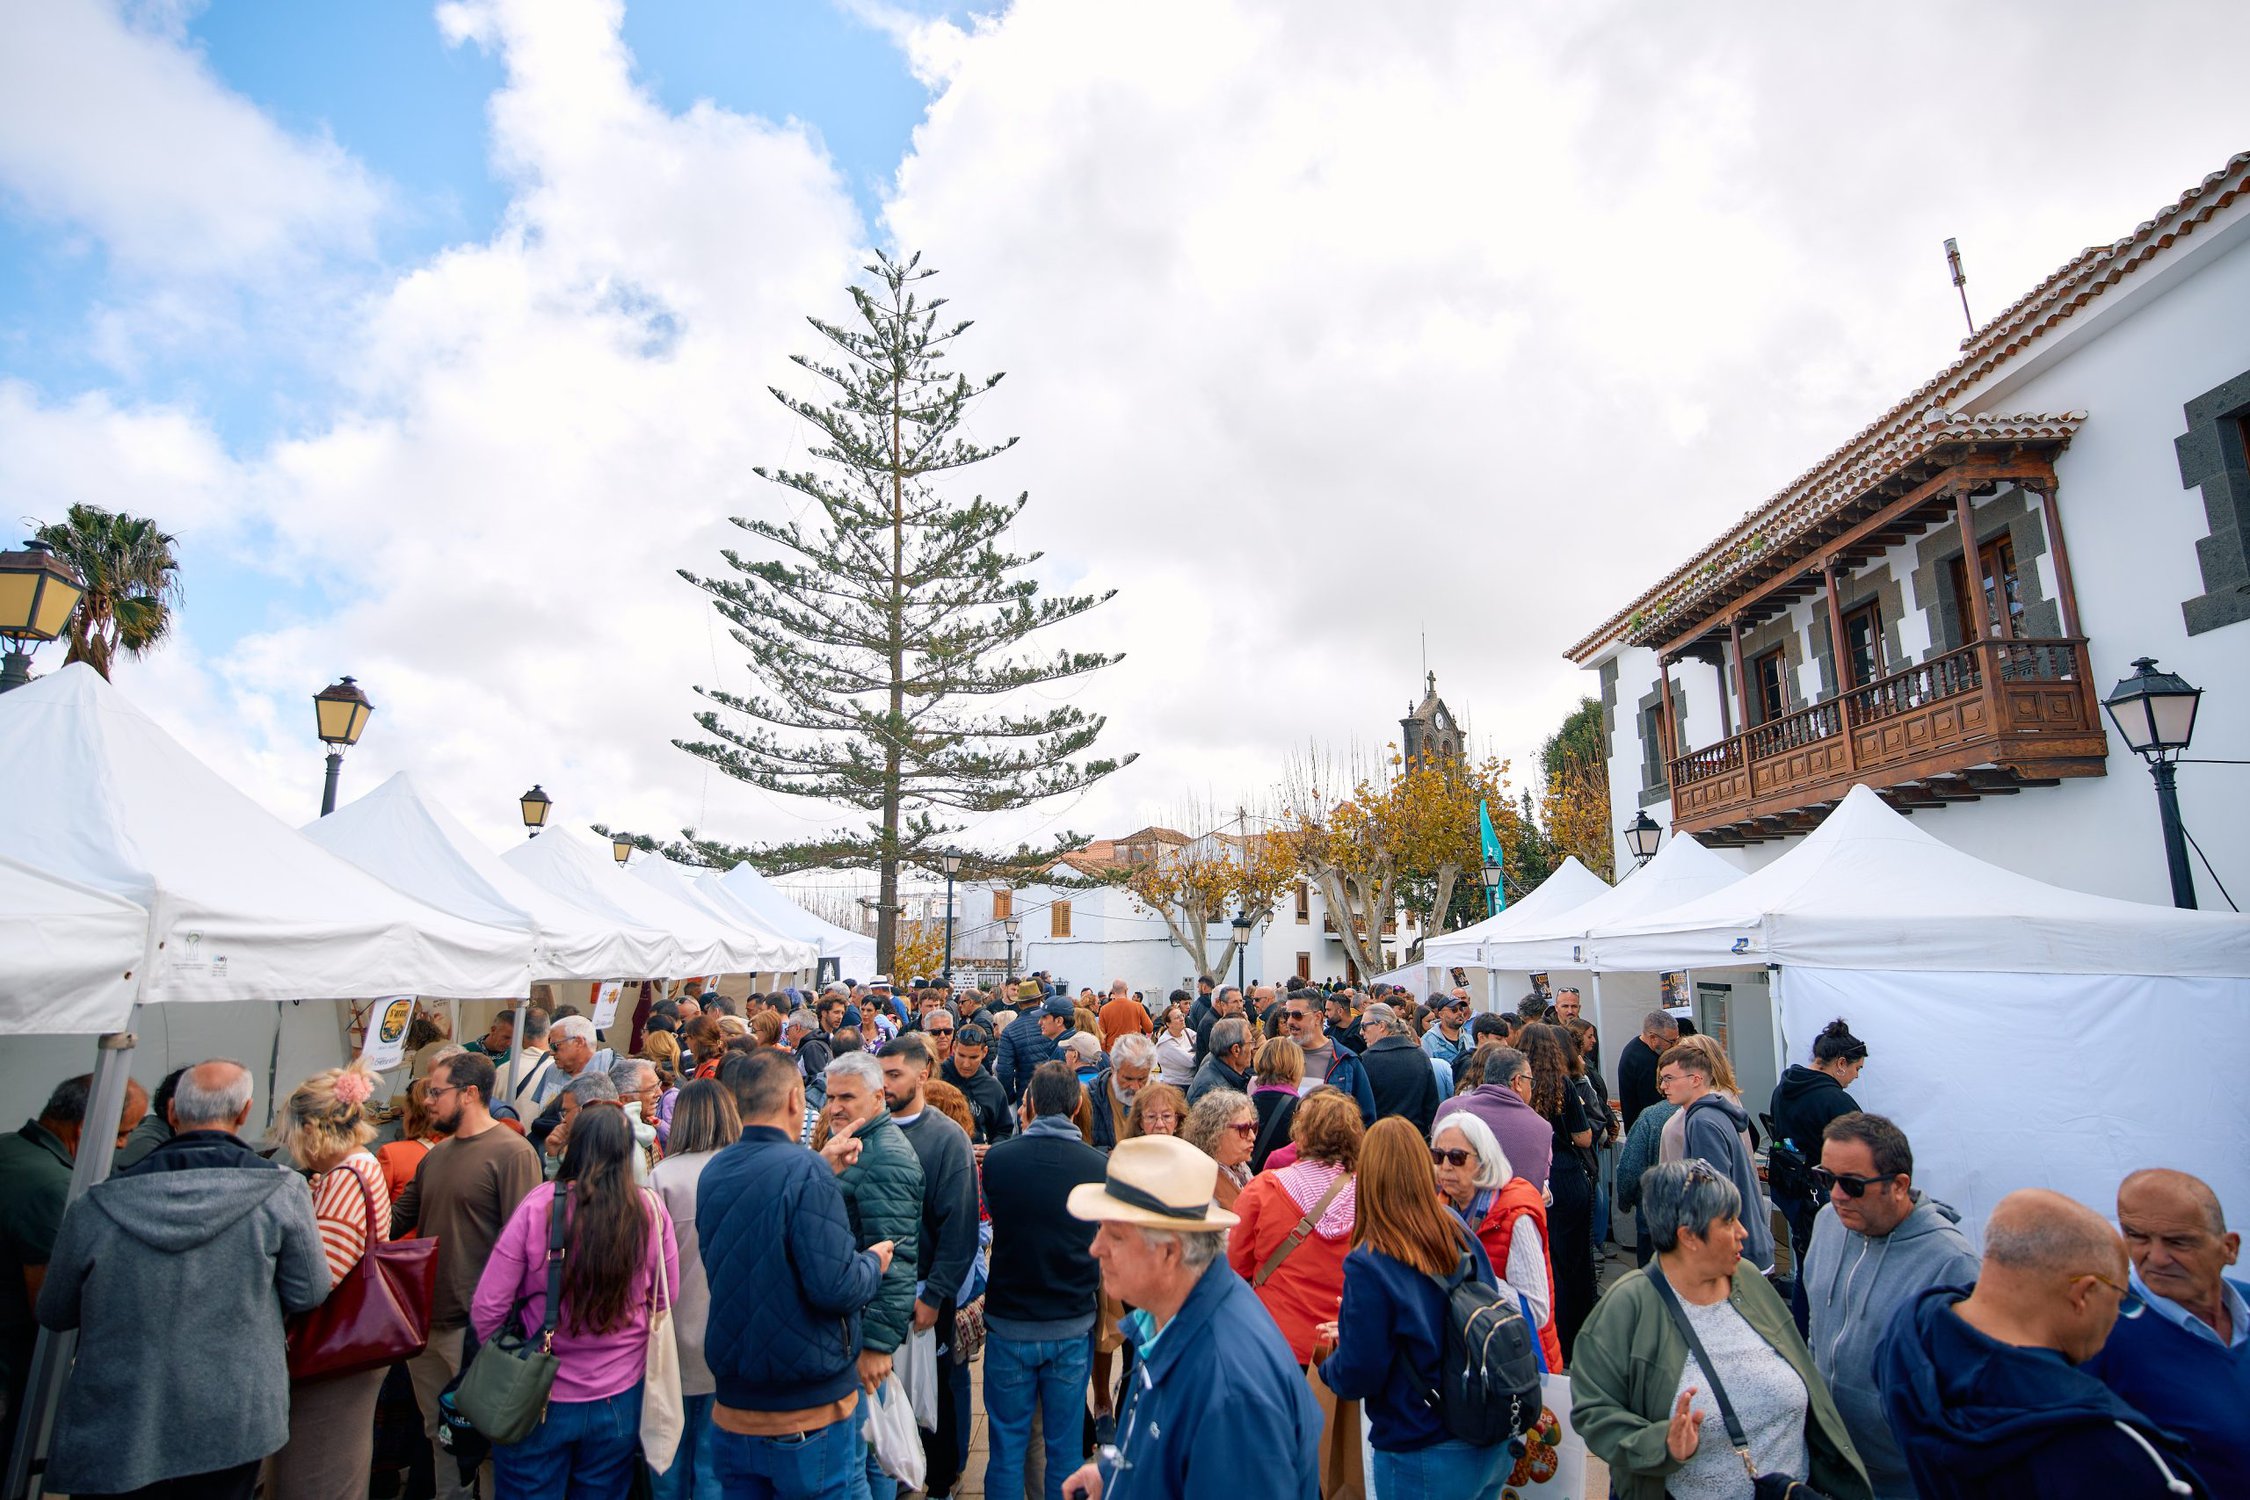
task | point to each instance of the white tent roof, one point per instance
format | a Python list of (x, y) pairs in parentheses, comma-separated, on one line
[(803, 953), (1681, 871), (69, 955), (1869, 890), (399, 834), (1572, 884), (582, 872), (854, 951), (246, 908), (776, 952)]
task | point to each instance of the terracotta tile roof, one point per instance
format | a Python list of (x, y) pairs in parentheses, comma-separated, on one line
[(1917, 423)]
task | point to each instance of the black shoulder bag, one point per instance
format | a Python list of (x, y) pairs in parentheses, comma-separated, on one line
[(1766, 1486)]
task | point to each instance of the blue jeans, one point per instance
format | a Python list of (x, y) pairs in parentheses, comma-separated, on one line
[(694, 1474), (1443, 1471), (1051, 1373), (581, 1450), (869, 1482), (814, 1465)]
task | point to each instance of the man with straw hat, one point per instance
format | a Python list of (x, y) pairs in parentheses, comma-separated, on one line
[(1216, 1407)]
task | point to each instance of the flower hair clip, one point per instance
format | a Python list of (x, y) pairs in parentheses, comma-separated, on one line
[(353, 1088)]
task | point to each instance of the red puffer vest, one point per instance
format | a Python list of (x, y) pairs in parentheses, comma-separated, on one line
[(1517, 1201)]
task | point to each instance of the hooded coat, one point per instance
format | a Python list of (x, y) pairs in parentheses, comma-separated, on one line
[(1717, 1131), (1977, 1417), (204, 1247), (1306, 1288), (1854, 1286)]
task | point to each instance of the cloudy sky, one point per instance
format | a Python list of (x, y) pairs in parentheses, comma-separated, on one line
[(442, 336)]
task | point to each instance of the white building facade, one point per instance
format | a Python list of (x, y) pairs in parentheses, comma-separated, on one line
[(1937, 608)]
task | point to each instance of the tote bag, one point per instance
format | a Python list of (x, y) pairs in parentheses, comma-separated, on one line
[(377, 1315), (1553, 1465), (663, 1412), (1343, 1459)]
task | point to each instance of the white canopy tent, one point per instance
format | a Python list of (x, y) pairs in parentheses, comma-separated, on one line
[(1571, 885), (1987, 1000), (571, 865), (854, 952), (400, 835), (68, 952), (1682, 871), (778, 954)]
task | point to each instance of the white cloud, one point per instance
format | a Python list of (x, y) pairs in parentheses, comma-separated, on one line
[(109, 124), (1327, 326)]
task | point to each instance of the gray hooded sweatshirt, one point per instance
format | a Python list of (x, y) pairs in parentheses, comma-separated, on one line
[(177, 1282), (1853, 1284)]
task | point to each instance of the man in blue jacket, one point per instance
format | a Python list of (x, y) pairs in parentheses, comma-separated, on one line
[(1032, 1038), (1325, 1061), (783, 1334), (1216, 1408), (1983, 1387)]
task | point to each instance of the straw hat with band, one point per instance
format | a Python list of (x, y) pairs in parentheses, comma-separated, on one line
[(1155, 1182)]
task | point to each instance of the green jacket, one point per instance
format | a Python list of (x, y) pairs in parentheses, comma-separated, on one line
[(883, 1196), (1625, 1370)]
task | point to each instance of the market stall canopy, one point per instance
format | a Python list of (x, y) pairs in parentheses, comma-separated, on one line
[(778, 954), (399, 834), (1572, 884), (582, 872), (1682, 871), (70, 955), (1867, 890), (854, 952), (804, 955), (245, 907)]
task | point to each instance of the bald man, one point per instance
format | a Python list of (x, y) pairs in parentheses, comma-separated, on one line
[(2188, 1360), (1982, 1387)]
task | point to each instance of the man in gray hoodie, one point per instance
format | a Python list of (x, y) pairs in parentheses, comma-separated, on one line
[(179, 1270), (1876, 1243)]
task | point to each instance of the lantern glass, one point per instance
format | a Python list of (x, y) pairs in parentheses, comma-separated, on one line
[(535, 804), (1489, 876), (622, 847), (342, 710), (1642, 835), (952, 860), (38, 591)]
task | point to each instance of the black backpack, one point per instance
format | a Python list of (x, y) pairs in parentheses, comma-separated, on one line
[(1488, 1374)]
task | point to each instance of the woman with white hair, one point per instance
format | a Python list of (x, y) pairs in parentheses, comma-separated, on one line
[(1506, 1214)]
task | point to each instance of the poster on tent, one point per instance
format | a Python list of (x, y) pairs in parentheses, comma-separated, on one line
[(385, 1046), (605, 1002)]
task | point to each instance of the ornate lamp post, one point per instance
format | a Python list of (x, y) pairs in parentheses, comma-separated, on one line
[(1242, 929), (951, 859), (621, 847), (1013, 925), (535, 805), (1642, 835), (38, 590), (341, 711), (1489, 877), (2155, 711)]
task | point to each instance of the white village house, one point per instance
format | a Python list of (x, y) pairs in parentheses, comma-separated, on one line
[(1993, 553)]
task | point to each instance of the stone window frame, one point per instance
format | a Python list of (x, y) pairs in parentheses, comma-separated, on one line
[(2214, 457), (1656, 783), (2014, 510), (1780, 633), (1880, 588)]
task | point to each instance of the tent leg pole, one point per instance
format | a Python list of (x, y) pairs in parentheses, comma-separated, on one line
[(515, 1052), (50, 1356), (1780, 1043)]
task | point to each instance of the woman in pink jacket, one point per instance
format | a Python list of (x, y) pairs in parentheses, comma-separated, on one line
[(617, 1240)]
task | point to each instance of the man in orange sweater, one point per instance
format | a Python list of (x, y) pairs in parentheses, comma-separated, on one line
[(1123, 1015)]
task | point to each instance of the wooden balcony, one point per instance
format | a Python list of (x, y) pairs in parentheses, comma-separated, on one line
[(1986, 720)]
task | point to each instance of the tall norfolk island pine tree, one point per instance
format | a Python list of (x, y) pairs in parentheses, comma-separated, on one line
[(882, 635)]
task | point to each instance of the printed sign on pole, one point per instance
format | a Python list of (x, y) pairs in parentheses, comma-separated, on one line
[(385, 1047), (605, 1002)]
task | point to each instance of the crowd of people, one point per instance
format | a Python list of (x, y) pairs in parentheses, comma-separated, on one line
[(766, 1242)]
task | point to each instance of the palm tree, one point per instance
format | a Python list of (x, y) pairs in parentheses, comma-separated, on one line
[(132, 582)]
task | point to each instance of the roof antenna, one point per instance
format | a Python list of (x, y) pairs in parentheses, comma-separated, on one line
[(1960, 282), (1425, 648)]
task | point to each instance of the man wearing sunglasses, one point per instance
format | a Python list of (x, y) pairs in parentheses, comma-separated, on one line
[(1984, 1388), (1877, 1242)]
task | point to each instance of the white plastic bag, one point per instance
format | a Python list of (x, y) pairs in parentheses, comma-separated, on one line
[(916, 1364), (1554, 1456), (890, 1429)]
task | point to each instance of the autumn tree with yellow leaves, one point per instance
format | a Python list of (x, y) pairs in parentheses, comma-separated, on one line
[(1209, 880)]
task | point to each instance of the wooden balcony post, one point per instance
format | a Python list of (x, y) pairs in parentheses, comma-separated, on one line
[(1671, 722), (1741, 683), (1972, 565), (2067, 592), (1841, 655)]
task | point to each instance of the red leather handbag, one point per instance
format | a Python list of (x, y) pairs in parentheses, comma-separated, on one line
[(378, 1314)]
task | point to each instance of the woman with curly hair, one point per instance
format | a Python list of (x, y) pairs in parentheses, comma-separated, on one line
[(322, 1126), (1570, 1178)]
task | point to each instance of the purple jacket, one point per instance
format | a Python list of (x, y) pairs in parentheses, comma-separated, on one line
[(1521, 1130)]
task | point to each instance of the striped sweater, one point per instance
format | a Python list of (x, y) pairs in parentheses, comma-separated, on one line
[(340, 1207)]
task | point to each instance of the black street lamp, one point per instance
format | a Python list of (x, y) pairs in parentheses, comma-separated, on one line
[(1641, 836), (1242, 928), (951, 859), (341, 710), (621, 847), (2155, 711), (1013, 925), (535, 805), (1489, 878), (38, 590)]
